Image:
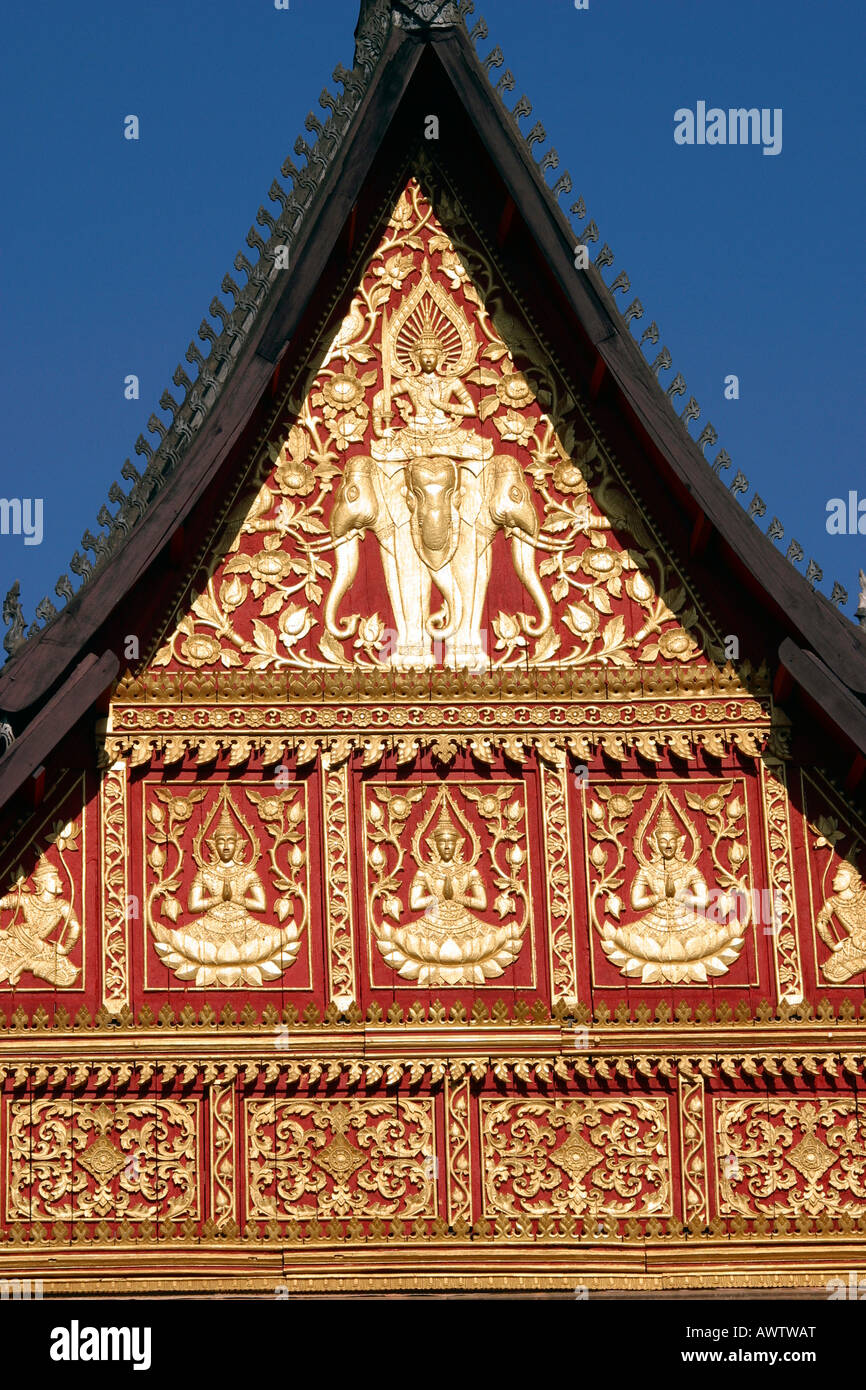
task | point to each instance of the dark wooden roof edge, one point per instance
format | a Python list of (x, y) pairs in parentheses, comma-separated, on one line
[(825, 690), (376, 95), (814, 619), (88, 681)]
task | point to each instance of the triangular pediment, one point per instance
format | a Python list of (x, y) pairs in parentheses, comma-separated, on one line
[(434, 494)]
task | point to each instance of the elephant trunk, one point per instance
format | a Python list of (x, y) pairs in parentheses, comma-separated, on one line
[(523, 554), (512, 508), (344, 572), (355, 508), (444, 624)]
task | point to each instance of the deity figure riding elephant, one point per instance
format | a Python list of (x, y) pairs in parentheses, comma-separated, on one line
[(435, 519)]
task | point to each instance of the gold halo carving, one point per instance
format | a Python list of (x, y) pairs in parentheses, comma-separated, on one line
[(671, 806), (427, 311), (225, 802), (444, 798)]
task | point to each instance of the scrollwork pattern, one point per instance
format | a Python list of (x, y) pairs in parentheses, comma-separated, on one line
[(583, 1157), (355, 1158), (791, 1157), (74, 1160)]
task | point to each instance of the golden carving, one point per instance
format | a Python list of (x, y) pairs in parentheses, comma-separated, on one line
[(843, 908), (847, 904), (835, 835), (560, 883), (222, 1110), (693, 1147), (79, 1160), (222, 943), (480, 730), (342, 983), (777, 838), (450, 944), (30, 941), (459, 1149), (434, 493), (791, 1156), (726, 695), (584, 1157), (340, 1158), (679, 936), (115, 892)]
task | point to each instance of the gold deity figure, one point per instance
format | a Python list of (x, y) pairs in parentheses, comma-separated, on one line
[(226, 890), (674, 940), (446, 888), (847, 904), (24, 944), (448, 944), (424, 355), (218, 942), (668, 888)]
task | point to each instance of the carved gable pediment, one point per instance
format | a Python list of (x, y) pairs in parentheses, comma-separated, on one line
[(434, 495)]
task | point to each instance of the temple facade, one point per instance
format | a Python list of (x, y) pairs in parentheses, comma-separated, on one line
[(432, 833)]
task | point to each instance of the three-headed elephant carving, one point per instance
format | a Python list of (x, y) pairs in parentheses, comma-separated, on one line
[(435, 520)]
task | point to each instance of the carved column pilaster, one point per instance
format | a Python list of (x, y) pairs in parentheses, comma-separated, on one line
[(339, 915), (777, 842), (559, 882), (458, 1150), (113, 820), (693, 1148)]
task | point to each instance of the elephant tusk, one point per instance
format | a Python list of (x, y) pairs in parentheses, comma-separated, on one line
[(328, 543), (538, 542)]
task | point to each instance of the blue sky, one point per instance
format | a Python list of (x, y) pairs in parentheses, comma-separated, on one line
[(111, 250)]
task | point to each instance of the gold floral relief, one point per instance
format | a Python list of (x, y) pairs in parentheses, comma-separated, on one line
[(114, 853), (693, 1147), (459, 1148), (582, 1157), (339, 914), (351, 1158), (790, 1157), (448, 878), (561, 899), (777, 838), (87, 1160), (223, 1154), (434, 423), (228, 899), (669, 878)]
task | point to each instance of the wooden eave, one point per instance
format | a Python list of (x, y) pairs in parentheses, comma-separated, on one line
[(89, 680), (834, 677)]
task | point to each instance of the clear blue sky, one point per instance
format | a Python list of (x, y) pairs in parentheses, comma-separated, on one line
[(111, 250)]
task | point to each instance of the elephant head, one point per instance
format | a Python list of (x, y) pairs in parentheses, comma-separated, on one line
[(432, 497), (356, 507), (511, 506)]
